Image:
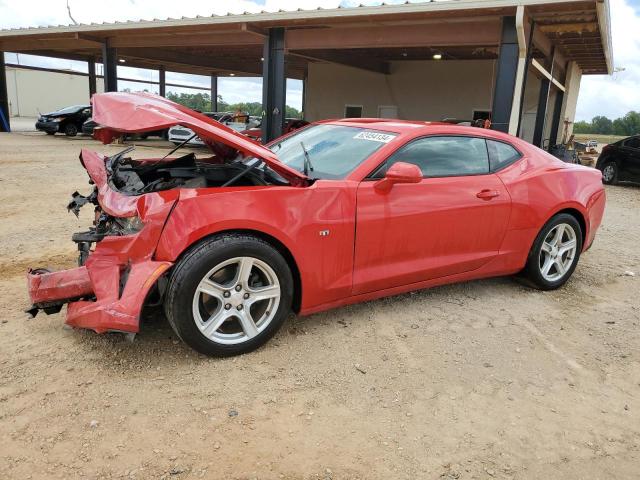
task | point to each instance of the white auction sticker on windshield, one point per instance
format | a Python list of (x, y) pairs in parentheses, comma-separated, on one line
[(375, 137)]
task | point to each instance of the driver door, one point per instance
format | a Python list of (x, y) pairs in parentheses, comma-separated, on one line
[(452, 221)]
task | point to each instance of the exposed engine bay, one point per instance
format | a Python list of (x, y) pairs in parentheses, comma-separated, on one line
[(131, 177), (138, 177)]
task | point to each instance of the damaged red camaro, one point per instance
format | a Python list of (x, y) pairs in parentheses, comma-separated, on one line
[(335, 213)]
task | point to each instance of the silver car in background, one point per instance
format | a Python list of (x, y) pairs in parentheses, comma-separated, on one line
[(178, 133)]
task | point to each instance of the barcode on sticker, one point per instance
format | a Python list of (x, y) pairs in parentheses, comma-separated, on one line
[(375, 137)]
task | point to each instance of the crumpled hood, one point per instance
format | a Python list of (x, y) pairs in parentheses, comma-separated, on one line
[(118, 113)]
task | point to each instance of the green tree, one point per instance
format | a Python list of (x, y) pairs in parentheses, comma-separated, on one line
[(292, 112), (623, 126), (195, 101), (619, 127), (631, 122), (602, 125), (202, 103), (582, 127)]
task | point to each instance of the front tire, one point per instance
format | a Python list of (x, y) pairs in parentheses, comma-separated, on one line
[(229, 295), (555, 252), (70, 130), (610, 173)]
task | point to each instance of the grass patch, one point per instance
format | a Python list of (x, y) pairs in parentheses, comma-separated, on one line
[(581, 137)]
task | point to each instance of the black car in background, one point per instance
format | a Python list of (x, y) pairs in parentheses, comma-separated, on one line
[(620, 161), (68, 120)]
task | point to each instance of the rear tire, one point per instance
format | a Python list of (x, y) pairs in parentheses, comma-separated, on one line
[(555, 253), (610, 173), (70, 130), (229, 295)]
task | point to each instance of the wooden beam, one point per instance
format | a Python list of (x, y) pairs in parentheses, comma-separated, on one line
[(546, 74), (254, 30), (442, 34), (64, 55), (24, 45), (187, 40), (375, 66), (189, 59), (562, 28)]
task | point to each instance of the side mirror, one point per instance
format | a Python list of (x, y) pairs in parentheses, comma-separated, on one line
[(399, 172)]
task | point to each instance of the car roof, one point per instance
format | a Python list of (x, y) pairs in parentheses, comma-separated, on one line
[(415, 128)]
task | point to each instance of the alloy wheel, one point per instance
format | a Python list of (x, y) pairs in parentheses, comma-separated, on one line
[(609, 172), (236, 300), (558, 252)]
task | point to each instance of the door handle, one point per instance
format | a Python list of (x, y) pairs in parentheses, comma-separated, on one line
[(487, 194)]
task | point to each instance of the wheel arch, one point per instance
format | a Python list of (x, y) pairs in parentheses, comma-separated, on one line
[(271, 240), (580, 218)]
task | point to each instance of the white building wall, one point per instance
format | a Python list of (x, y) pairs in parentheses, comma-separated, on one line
[(422, 90), (33, 91)]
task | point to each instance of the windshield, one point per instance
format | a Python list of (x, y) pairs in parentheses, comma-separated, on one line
[(73, 109), (332, 151)]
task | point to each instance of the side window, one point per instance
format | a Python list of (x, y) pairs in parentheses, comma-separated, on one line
[(633, 142), (442, 157), (501, 154)]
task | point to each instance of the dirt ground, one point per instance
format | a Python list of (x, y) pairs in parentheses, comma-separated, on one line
[(486, 379)]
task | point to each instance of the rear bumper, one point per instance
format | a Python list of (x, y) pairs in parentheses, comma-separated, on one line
[(595, 209), (103, 296)]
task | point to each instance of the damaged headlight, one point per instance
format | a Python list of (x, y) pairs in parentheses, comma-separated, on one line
[(129, 225)]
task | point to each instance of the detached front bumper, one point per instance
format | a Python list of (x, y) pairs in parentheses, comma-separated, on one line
[(102, 297), (109, 291)]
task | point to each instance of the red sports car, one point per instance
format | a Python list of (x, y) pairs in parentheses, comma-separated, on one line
[(338, 212)]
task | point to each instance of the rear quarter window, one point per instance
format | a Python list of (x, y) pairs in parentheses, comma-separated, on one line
[(501, 155), (633, 142)]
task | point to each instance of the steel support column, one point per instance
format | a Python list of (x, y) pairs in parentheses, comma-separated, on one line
[(543, 102), (162, 83), (5, 123), (274, 85), (304, 93), (526, 76), (555, 121), (506, 76), (91, 66), (214, 93), (110, 64)]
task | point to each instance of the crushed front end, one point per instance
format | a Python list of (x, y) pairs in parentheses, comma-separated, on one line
[(132, 200), (116, 271)]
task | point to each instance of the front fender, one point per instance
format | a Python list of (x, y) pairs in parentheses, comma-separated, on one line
[(197, 217), (315, 224)]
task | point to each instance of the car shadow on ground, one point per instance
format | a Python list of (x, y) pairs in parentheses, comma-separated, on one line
[(157, 340), (627, 185)]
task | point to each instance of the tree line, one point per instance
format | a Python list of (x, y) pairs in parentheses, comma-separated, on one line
[(624, 126), (202, 103)]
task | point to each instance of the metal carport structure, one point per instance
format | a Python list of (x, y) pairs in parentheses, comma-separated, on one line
[(556, 40)]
